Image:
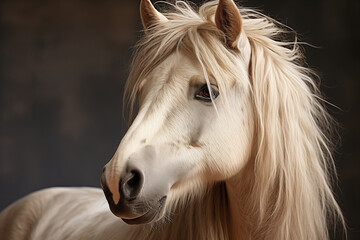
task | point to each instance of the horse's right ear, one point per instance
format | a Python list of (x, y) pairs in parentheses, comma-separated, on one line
[(228, 20), (149, 15)]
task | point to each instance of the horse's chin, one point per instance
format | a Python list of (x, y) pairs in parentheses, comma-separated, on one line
[(154, 214)]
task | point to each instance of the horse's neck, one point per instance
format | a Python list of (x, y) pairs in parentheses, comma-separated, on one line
[(214, 216), (239, 190)]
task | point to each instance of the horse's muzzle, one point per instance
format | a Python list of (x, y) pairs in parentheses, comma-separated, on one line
[(130, 207)]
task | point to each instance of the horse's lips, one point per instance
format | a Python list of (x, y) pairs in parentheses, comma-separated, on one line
[(149, 216)]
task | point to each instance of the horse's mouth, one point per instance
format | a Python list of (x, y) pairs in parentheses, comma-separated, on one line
[(151, 215)]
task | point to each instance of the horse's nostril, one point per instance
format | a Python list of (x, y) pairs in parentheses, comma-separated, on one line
[(131, 184)]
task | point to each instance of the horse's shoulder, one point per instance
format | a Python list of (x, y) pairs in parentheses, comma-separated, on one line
[(26, 216)]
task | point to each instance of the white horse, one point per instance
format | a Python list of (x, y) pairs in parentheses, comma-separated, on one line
[(230, 141)]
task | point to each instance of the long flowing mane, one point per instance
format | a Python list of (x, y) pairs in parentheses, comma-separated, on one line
[(286, 186)]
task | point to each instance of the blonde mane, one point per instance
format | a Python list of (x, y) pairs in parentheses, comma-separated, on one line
[(285, 188)]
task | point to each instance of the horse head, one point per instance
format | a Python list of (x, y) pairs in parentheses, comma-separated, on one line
[(195, 121)]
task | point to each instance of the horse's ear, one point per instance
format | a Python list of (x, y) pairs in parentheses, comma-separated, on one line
[(228, 20), (149, 15)]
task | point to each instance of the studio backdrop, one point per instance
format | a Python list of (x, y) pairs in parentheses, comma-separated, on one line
[(63, 69)]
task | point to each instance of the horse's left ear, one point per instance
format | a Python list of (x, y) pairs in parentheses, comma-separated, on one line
[(149, 15), (228, 20)]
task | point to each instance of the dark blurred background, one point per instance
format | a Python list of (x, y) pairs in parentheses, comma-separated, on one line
[(63, 68)]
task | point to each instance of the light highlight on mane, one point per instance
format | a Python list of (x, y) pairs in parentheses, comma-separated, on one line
[(287, 190)]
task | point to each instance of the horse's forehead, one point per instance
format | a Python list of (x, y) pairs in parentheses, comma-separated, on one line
[(177, 67), (169, 78), (181, 70)]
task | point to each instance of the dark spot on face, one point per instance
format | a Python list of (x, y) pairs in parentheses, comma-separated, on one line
[(143, 141), (194, 139), (195, 144)]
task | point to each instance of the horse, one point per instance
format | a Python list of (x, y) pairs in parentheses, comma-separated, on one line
[(231, 140)]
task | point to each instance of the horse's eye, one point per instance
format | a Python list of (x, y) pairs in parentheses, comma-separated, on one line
[(203, 93)]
